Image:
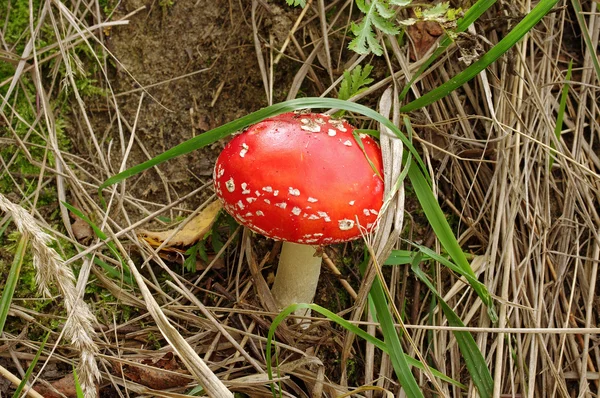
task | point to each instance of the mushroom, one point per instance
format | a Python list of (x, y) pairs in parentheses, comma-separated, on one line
[(301, 178)]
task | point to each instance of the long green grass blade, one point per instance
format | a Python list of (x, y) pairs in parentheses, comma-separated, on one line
[(349, 327), (586, 37), (392, 340), (479, 287), (443, 232), (401, 257), (32, 365), (522, 28), (471, 15), (127, 277), (223, 131), (478, 370), (562, 106), (78, 389), (11, 280)]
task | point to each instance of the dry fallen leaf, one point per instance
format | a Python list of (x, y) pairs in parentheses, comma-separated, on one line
[(423, 35), (193, 231), (158, 375), (64, 386), (82, 231)]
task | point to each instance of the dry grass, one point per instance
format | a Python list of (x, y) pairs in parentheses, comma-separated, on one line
[(534, 228)]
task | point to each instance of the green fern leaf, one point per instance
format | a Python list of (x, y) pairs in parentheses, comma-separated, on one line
[(384, 10), (384, 25), (365, 40), (296, 3), (355, 82), (362, 6), (378, 14)]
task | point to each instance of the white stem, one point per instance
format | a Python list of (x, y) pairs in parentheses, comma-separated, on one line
[(297, 275)]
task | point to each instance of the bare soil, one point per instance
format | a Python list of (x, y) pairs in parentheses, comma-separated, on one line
[(198, 66)]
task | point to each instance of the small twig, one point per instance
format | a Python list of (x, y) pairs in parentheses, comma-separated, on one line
[(292, 32), (333, 268), (16, 381)]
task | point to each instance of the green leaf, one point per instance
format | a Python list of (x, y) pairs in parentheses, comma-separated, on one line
[(31, 367), (378, 14), (400, 257), (355, 81), (223, 131), (392, 340), (586, 36), (11, 280), (189, 263), (78, 389), (436, 12), (443, 232), (296, 3), (383, 10)]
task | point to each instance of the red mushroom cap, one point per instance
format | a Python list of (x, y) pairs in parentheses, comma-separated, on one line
[(301, 178)]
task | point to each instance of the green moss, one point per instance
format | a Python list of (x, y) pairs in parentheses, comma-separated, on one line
[(18, 20), (108, 6), (25, 294), (154, 340), (21, 177), (164, 4)]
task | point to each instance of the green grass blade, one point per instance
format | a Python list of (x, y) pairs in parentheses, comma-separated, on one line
[(442, 230), (11, 280), (127, 277), (586, 36), (400, 257), (561, 112), (471, 15), (78, 389), (349, 327), (392, 340), (479, 287), (223, 131), (478, 370), (32, 365), (522, 28)]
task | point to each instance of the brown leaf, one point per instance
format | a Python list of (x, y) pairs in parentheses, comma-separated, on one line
[(82, 230), (423, 35), (193, 231), (64, 386), (161, 374)]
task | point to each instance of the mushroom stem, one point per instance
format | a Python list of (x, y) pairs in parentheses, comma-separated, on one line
[(297, 276)]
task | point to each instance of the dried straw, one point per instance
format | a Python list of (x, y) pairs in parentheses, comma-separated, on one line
[(51, 271)]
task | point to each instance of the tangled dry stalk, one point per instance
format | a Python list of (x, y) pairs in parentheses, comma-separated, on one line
[(51, 271), (528, 213)]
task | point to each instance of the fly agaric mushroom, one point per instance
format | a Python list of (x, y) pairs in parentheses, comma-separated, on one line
[(303, 179)]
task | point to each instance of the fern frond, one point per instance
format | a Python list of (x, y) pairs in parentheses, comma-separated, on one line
[(378, 14), (296, 3)]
